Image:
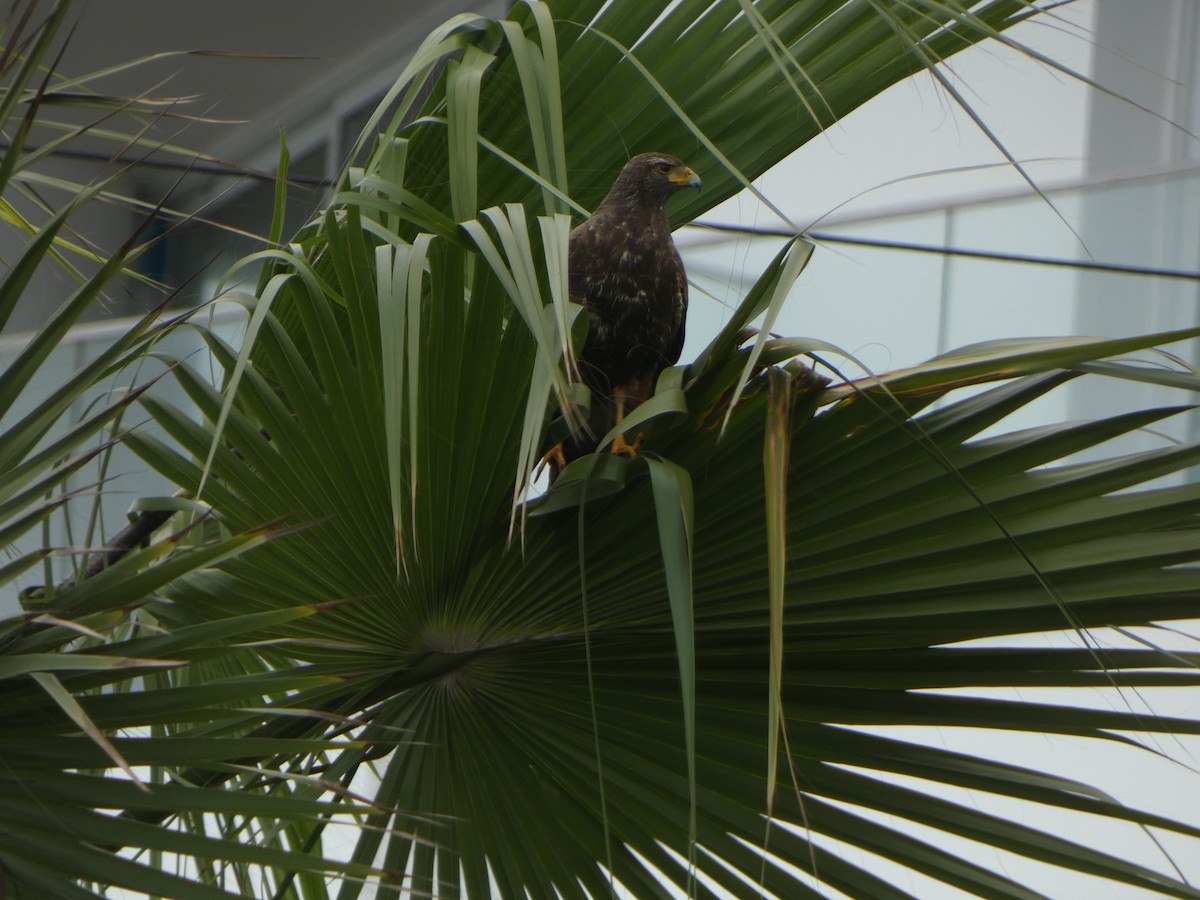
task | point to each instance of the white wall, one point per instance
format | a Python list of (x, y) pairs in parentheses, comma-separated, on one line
[(895, 308)]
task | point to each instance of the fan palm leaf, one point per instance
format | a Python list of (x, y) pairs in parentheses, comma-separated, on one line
[(686, 669), (73, 748)]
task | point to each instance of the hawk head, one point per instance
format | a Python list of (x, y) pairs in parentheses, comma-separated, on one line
[(649, 179)]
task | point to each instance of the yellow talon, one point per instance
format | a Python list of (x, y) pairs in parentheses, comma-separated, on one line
[(555, 459), (622, 447)]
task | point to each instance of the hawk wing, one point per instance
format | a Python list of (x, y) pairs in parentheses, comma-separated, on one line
[(632, 283)]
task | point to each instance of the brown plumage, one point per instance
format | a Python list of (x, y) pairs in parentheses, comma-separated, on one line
[(625, 270)]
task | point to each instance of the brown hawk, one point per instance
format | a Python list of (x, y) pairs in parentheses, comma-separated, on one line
[(624, 269)]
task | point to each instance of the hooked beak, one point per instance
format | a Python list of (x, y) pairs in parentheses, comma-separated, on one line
[(685, 177)]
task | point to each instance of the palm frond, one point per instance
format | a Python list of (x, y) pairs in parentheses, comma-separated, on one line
[(693, 669)]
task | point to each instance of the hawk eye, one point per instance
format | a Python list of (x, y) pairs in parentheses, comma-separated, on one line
[(663, 167)]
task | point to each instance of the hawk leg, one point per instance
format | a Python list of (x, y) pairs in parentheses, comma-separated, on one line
[(623, 395), (622, 447), (555, 459)]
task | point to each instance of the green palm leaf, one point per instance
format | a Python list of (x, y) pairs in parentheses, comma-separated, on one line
[(693, 668), (75, 744)]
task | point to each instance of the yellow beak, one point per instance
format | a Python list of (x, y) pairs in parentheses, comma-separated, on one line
[(685, 177)]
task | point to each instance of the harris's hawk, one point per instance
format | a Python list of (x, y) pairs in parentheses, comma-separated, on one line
[(624, 269)]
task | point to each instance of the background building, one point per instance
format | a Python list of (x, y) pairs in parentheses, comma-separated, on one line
[(1119, 171)]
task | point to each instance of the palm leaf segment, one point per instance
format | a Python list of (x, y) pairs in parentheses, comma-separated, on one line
[(400, 373), (72, 745)]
